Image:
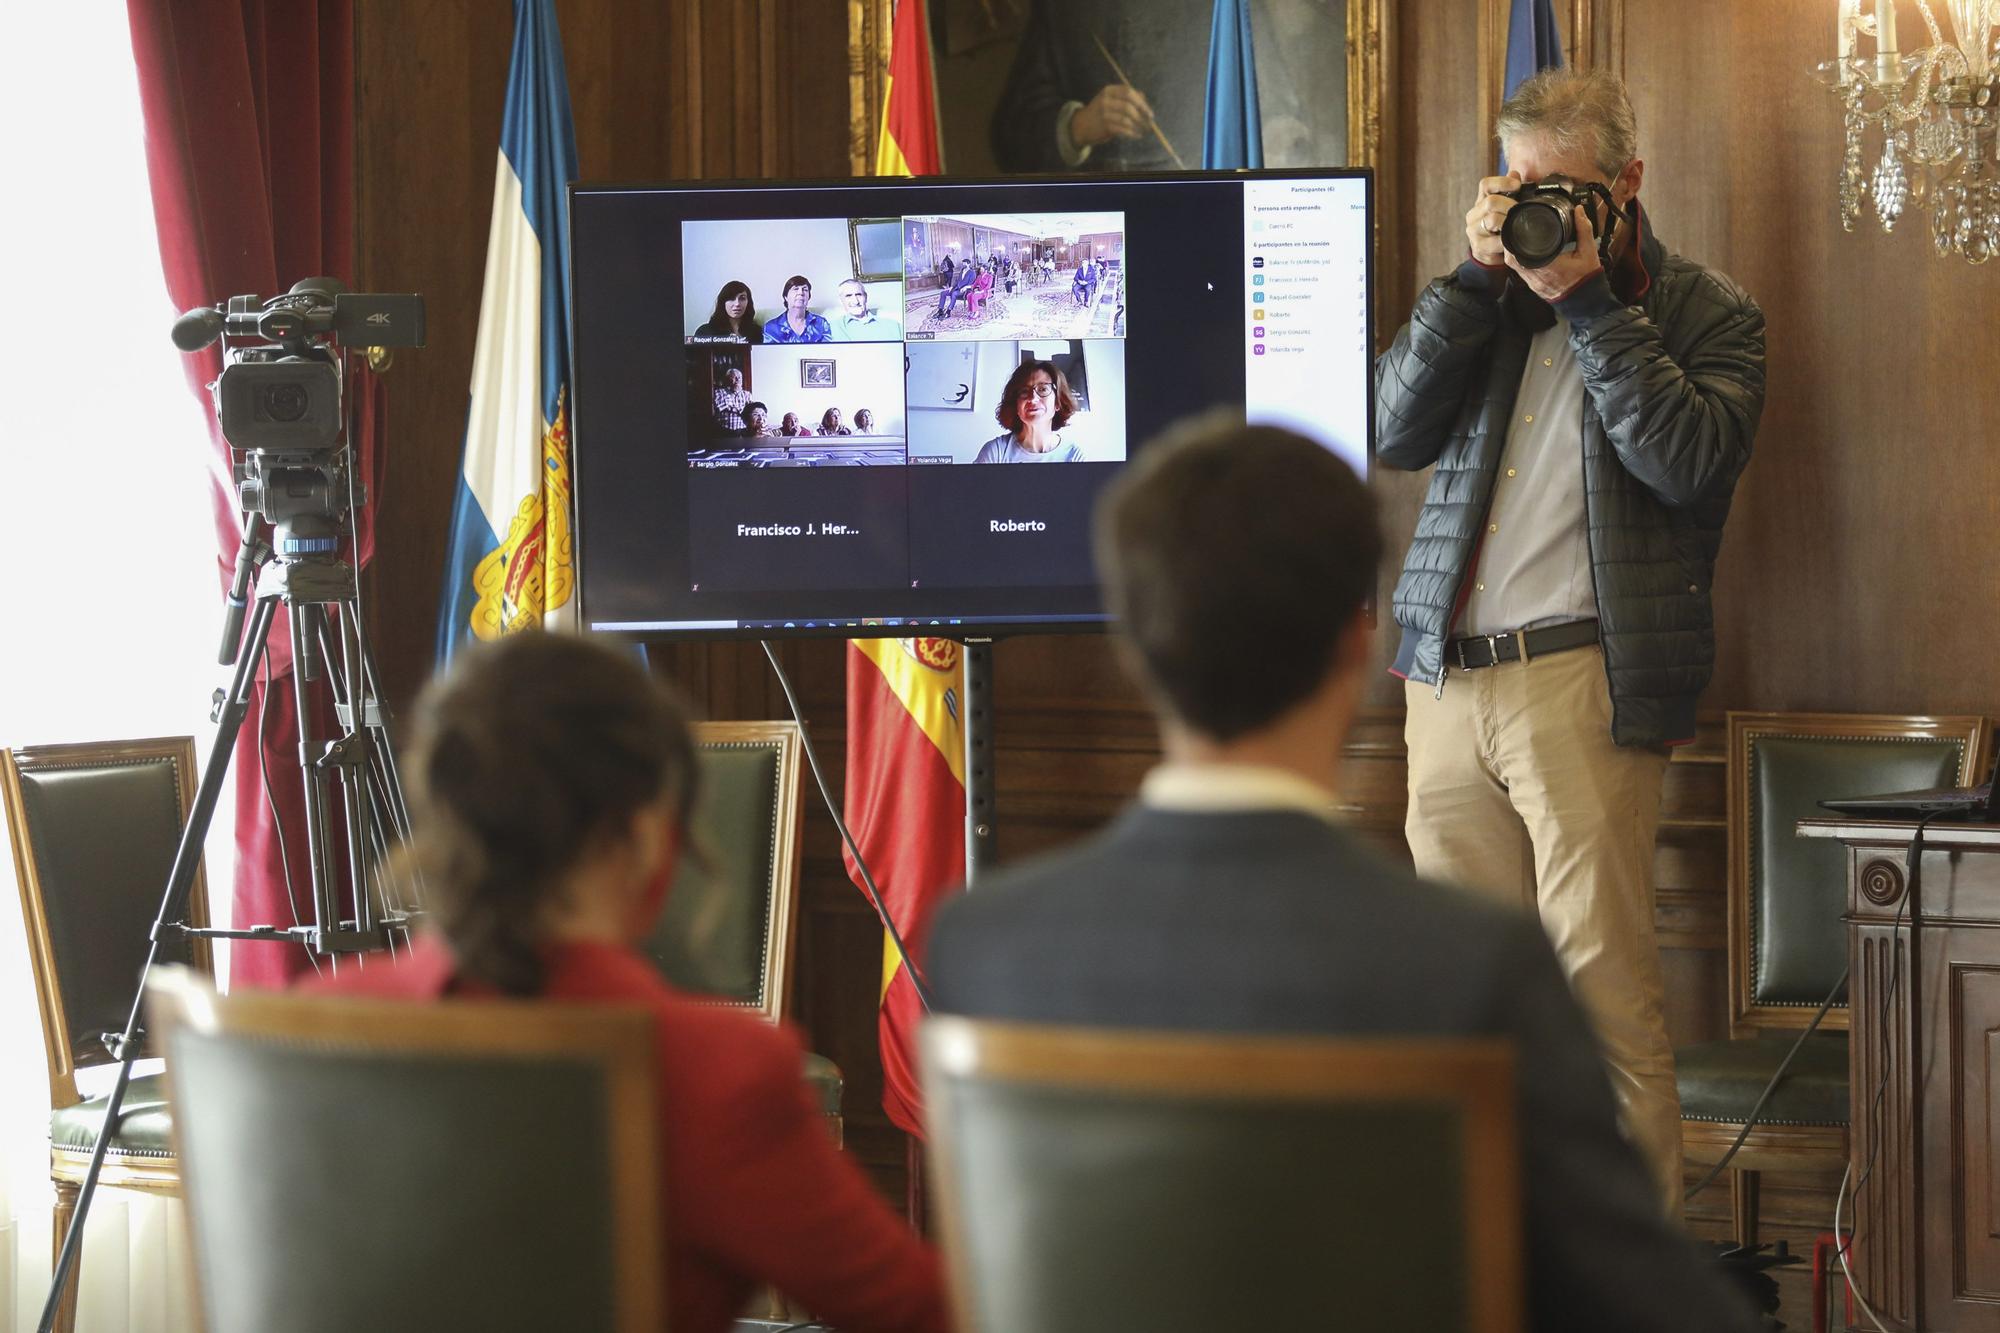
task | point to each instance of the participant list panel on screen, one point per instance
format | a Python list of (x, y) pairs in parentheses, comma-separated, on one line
[(1305, 353)]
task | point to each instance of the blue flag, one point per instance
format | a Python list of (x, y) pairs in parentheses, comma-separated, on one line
[(1533, 45), (509, 560), (1233, 128)]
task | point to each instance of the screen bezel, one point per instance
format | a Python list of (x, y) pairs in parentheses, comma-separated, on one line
[(978, 629)]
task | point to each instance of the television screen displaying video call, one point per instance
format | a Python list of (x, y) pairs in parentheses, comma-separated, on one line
[(853, 408)]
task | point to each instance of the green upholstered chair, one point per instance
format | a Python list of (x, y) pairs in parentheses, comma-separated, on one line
[(369, 1164), (94, 828), (1787, 942), (1096, 1179)]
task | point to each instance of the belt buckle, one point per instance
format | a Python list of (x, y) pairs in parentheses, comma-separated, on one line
[(1492, 651)]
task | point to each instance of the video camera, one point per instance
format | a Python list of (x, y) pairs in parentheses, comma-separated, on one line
[(1542, 222), (280, 397), (283, 396)]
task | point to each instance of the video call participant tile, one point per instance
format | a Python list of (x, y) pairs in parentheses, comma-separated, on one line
[(772, 530), (785, 281), (1014, 275), (793, 406), (1017, 402), (1002, 527)]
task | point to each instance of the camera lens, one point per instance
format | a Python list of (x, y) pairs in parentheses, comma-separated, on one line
[(284, 402), (1535, 232)]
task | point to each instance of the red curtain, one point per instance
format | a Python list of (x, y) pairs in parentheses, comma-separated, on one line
[(249, 111)]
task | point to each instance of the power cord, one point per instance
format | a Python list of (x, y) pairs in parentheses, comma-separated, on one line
[(833, 808), (1882, 1027), (1757, 1111)]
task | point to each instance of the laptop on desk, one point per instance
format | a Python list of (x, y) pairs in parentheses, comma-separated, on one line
[(1958, 805)]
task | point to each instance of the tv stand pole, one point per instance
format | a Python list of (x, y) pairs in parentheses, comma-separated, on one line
[(979, 784)]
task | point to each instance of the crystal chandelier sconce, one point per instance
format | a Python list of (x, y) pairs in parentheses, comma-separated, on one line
[(1937, 110)]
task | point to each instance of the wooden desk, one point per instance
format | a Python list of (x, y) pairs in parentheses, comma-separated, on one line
[(1926, 1253)]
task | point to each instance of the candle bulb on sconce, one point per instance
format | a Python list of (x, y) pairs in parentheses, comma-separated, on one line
[(1888, 61)]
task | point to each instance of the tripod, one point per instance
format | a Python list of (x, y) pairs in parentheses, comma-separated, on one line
[(354, 773)]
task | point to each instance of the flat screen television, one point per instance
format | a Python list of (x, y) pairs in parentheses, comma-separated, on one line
[(852, 408)]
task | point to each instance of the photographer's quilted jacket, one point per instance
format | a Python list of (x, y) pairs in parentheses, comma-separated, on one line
[(1673, 371)]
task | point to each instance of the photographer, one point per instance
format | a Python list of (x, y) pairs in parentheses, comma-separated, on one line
[(1587, 420)]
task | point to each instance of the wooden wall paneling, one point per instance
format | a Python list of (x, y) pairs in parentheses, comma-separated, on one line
[(869, 34), (1492, 73), (1838, 587), (428, 99)]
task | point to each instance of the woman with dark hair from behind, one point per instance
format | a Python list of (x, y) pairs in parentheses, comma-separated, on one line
[(735, 315), (553, 779), (1034, 407)]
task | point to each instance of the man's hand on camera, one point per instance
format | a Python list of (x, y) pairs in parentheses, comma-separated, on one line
[(1568, 270), (1117, 112), (1489, 210)]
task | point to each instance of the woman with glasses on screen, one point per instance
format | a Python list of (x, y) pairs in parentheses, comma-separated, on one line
[(1034, 407), (553, 779)]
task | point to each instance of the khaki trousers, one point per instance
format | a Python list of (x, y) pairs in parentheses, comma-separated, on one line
[(1517, 792)]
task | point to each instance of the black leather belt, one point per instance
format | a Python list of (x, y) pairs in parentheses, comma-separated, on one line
[(1485, 650)]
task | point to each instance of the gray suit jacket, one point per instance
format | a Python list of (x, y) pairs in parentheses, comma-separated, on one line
[(1278, 922)]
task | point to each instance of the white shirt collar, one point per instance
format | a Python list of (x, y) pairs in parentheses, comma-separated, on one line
[(1216, 788)]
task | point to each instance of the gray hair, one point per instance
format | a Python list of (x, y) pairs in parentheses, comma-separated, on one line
[(1571, 110)]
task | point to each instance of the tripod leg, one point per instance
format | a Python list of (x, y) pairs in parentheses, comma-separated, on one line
[(173, 912), (326, 905), (353, 778), (363, 774), (385, 753)]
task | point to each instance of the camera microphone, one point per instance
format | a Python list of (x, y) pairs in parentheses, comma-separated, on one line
[(197, 328)]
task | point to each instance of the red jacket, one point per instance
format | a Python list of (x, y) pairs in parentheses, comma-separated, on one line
[(754, 1189)]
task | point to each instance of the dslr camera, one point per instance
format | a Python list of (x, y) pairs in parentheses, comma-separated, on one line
[(1542, 222)]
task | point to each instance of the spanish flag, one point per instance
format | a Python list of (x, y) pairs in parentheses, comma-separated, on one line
[(906, 812), (908, 143), (905, 738)]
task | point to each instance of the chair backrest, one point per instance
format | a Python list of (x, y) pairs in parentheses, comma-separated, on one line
[(1787, 946), (94, 828), (391, 1166), (729, 925), (1095, 1179)]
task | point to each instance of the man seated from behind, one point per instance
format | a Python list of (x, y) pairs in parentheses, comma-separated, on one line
[(1237, 561)]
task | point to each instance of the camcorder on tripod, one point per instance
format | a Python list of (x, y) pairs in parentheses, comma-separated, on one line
[(282, 404)]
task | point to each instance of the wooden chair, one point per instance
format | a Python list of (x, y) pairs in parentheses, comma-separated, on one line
[(372, 1164), (1787, 944), (1095, 1179), (94, 829), (730, 924)]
